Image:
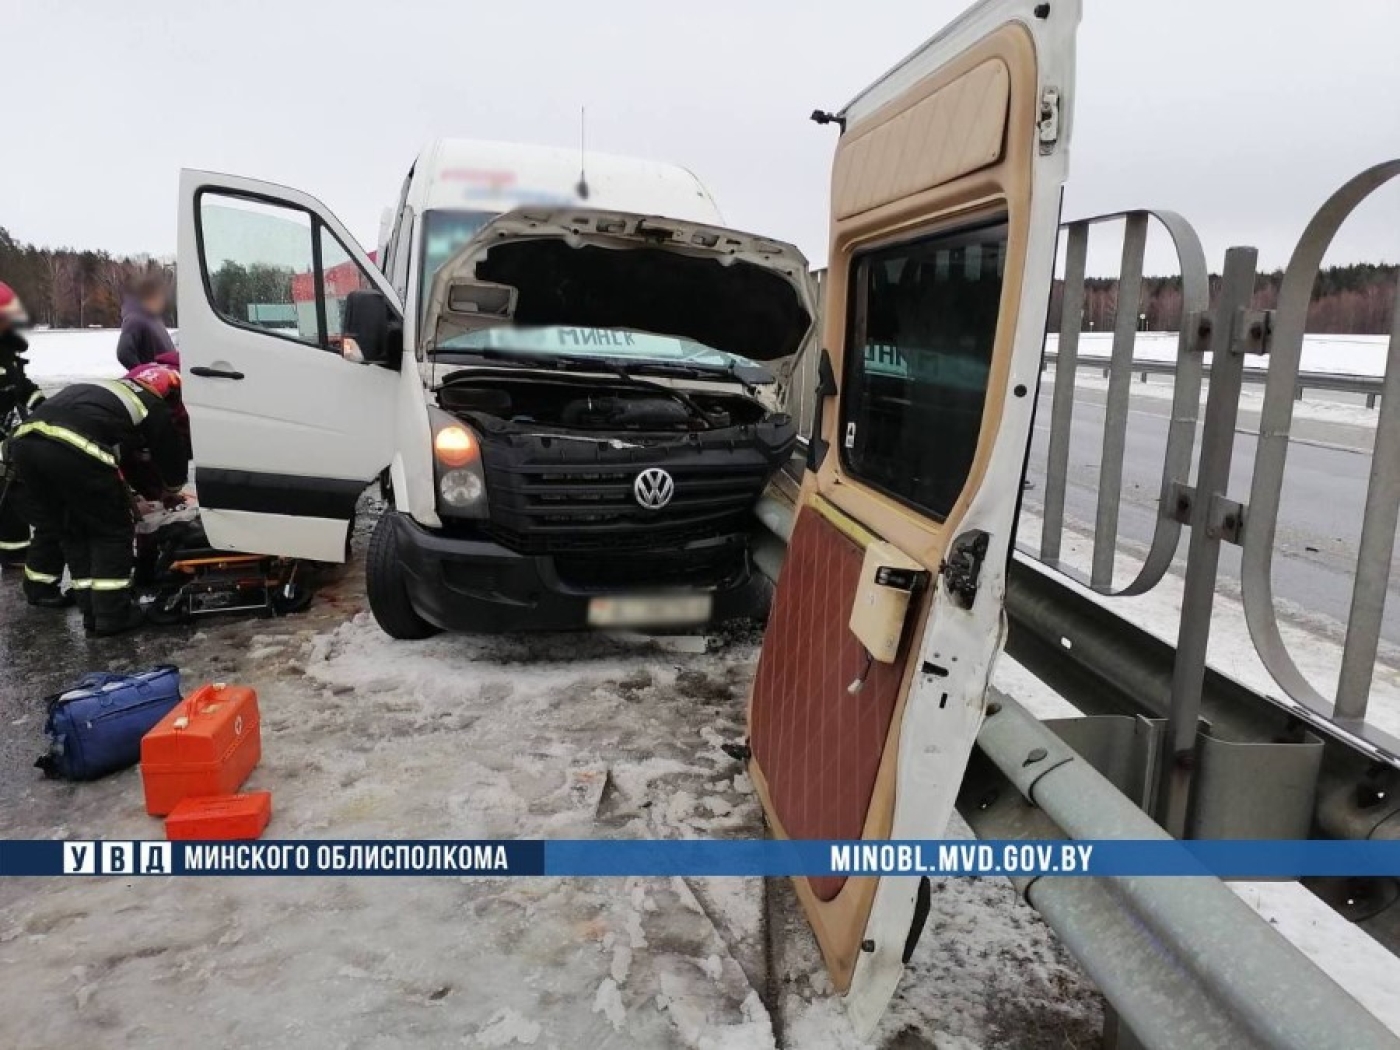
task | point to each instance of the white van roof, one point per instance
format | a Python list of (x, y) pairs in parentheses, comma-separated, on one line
[(475, 175)]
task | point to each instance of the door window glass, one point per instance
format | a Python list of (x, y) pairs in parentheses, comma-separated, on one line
[(259, 263), (276, 268), (341, 276), (923, 327)]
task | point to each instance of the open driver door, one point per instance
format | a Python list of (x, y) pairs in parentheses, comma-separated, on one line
[(870, 688)]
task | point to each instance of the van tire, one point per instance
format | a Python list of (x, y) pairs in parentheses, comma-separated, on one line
[(388, 598)]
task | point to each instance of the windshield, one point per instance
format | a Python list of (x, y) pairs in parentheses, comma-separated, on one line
[(444, 232)]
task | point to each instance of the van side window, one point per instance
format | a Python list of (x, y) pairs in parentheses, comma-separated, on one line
[(273, 267), (923, 325), (397, 263)]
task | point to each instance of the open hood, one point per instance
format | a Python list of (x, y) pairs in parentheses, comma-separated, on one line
[(587, 268)]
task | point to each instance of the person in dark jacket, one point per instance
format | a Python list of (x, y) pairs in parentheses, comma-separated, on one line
[(18, 395), (144, 337), (137, 466), (67, 455)]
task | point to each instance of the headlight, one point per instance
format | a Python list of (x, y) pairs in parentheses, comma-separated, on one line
[(461, 483), (461, 488), (455, 446)]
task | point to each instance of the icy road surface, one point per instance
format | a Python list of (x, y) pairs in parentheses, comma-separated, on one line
[(554, 736)]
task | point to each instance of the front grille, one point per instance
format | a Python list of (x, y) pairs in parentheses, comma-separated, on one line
[(557, 507), (714, 566)]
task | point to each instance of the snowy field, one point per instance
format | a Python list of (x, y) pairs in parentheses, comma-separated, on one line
[(65, 353), (61, 355), (1353, 355)]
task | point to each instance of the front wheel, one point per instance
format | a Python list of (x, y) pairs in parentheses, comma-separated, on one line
[(388, 597)]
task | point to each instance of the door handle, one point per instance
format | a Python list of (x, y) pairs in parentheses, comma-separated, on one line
[(215, 373), (826, 387)]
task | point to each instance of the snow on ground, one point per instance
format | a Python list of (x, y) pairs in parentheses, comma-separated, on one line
[(62, 355), (456, 737), (1351, 958), (1358, 355), (987, 972), (1317, 408)]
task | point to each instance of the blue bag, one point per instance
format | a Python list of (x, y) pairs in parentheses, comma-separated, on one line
[(95, 727)]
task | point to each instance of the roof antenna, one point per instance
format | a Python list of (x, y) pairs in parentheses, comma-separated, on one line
[(582, 187)]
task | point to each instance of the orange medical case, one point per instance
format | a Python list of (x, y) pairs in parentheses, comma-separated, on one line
[(206, 745), (220, 817)]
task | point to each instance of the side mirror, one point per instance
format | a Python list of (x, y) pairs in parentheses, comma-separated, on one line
[(368, 319)]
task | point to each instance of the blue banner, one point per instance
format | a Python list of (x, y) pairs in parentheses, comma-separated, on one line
[(1239, 859)]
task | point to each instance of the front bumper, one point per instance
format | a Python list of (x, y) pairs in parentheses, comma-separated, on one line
[(481, 587)]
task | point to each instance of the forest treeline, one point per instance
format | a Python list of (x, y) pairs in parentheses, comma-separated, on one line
[(1357, 299), (69, 287)]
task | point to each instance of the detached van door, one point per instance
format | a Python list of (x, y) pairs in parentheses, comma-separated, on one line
[(888, 615), (287, 433)]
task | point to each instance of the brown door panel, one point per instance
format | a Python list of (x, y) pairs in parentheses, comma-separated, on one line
[(820, 751)]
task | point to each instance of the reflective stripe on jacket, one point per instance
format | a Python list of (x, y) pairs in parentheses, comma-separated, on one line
[(112, 418), (70, 437), (129, 394)]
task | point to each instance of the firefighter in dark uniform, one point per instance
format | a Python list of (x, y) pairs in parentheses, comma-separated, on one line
[(18, 395), (67, 457)]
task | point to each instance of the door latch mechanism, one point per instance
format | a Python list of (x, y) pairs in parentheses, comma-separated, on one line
[(962, 568), (1048, 125)]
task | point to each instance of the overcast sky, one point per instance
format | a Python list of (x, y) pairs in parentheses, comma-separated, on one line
[(1242, 115)]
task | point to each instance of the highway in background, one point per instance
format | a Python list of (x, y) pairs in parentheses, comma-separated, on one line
[(1319, 519)]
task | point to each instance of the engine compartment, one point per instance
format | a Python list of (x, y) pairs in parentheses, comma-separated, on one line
[(562, 454), (497, 402)]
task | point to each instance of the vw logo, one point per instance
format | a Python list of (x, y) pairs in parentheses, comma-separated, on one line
[(653, 488)]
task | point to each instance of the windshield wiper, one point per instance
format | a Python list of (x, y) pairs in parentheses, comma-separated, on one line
[(624, 368), (677, 368)]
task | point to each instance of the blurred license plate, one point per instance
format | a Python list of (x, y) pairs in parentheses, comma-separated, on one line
[(649, 611)]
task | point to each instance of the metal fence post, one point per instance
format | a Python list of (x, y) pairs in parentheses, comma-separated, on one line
[(1062, 405), (1375, 550), (1120, 373), (1229, 337)]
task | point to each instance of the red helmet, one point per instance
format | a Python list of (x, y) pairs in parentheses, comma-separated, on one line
[(11, 309), (158, 379)]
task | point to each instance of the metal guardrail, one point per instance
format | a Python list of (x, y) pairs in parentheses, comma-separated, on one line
[(1312, 775), (1195, 296), (1231, 331), (1371, 386), (1377, 545), (1184, 962)]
